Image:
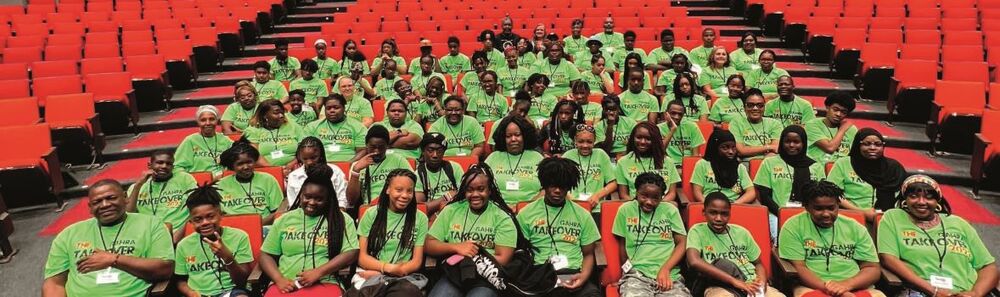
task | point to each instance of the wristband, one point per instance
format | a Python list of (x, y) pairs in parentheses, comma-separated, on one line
[(115, 263), (224, 263)]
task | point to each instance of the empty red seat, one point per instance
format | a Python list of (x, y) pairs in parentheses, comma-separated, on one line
[(65, 39), (75, 129), (137, 36), (877, 63), (985, 145), (10, 71), (963, 38), (14, 88), (965, 24), (22, 54), (847, 44), (101, 65), (886, 23), (920, 52), (31, 171), (138, 49), (912, 88), (69, 28), (43, 87), (31, 29), (169, 35), (53, 68), (957, 107), (923, 37), (63, 52), (101, 38), (27, 41), (966, 71), (893, 36), (960, 53), (18, 111), (921, 23)]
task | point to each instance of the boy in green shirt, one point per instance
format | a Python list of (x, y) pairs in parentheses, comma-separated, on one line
[(629, 48), (638, 104), (660, 59), (300, 113), (266, 87), (454, 62), (790, 109), (112, 254), (494, 57), (214, 260), (384, 87), (373, 164), (682, 135), (699, 55), (583, 57), (404, 133), (833, 254), (329, 68), (313, 88), (831, 136), (575, 42), (425, 73), (562, 231), (487, 104), (161, 192), (283, 67)]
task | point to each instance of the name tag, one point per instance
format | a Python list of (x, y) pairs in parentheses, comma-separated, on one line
[(333, 147), (552, 84), (584, 196), (461, 153), (627, 266), (277, 154), (793, 204), (513, 185), (559, 262), (107, 276), (942, 282)]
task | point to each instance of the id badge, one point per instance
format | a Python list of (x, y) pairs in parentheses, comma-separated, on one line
[(277, 154), (627, 266), (513, 185), (107, 276), (461, 153), (942, 282), (552, 84), (584, 196), (333, 147), (559, 262), (793, 204)]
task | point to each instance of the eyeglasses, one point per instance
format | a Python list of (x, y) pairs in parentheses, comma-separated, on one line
[(755, 105), (584, 127)]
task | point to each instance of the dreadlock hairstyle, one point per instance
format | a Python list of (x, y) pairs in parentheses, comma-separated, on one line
[(528, 133), (554, 129), (205, 194), (377, 236), (678, 95), (313, 143), (242, 146), (628, 70), (320, 176), (655, 149), (815, 189), (495, 200), (260, 116), (559, 172), (375, 132)]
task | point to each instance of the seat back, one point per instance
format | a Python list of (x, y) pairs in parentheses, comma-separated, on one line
[(176, 50), (56, 85), (613, 272), (69, 109), (149, 67), (10, 71), (32, 141), (787, 212), (102, 50), (920, 52), (110, 85), (966, 71), (751, 217), (53, 68), (249, 223), (18, 111), (463, 161), (916, 71), (101, 65), (202, 178), (274, 171), (22, 54), (687, 170), (14, 88), (960, 94)]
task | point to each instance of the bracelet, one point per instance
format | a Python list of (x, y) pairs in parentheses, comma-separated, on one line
[(382, 269), (115, 263), (224, 263)]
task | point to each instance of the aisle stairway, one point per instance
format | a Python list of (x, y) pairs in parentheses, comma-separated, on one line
[(125, 153)]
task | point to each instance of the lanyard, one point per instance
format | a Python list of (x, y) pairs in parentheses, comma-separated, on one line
[(101, 232), (249, 190), (274, 137), (944, 235), (829, 244), (153, 201), (335, 132), (755, 133), (216, 271), (644, 232), (638, 160), (214, 149), (737, 106), (305, 245), (550, 222), (461, 128), (399, 239), (586, 169), (466, 229), (732, 248), (519, 157)]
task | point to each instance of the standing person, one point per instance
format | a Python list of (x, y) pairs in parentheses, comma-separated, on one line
[(342, 136), (455, 62), (627, 50), (724, 110), (700, 55), (112, 254), (237, 116), (283, 67), (613, 41), (266, 87), (329, 68), (645, 154), (563, 231), (575, 42), (312, 87), (160, 192), (714, 75), (790, 109), (300, 113), (595, 184), (759, 135), (213, 260), (695, 106), (869, 178), (272, 134), (765, 77), (745, 57), (614, 127), (384, 87), (515, 159), (681, 134), (371, 166), (721, 171), (357, 106), (246, 191), (782, 177), (469, 81), (493, 227), (638, 104), (834, 254), (557, 135), (507, 37), (310, 153), (352, 59), (664, 84), (436, 178), (463, 133), (650, 264), (559, 70), (199, 152), (389, 51), (833, 134), (404, 133), (662, 57), (726, 267), (964, 264), (310, 243), (488, 104), (592, 112), (389, 259), (598, 79)]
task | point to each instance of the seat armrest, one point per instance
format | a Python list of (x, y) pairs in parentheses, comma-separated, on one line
[(159, 288), (891, 278), (785, 267), (51, 160)]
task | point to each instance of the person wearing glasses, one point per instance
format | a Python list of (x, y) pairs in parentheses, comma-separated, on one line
[(758, 134), (463, 133), (869, 178)]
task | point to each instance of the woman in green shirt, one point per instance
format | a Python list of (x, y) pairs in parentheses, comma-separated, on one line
[(599, 81), (310, 243), (247, 191), (713, 77), (646, 154), (300, 113), (559, 70), (556, 135), (766, 76), (389, 50), (488, 104), (596, 184), (720, 170), (329, 68), (614, 127), (463, 133), (758, 134), (352, 59), (592, 112), (470, 80), (679, 63), (542, 101), (237, 116), (909, 244), (515, 159), (683, 89), (199, 152), (724, 110), (513, 75), (272, 134), (396, 253), (869, 178), (633, 62), (745, 58), (312, 87), (781, 177), (639, 104)]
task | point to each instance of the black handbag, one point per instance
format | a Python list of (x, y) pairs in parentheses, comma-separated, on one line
[(521, 277)]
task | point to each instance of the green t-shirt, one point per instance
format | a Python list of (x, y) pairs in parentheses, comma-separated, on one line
[(358, 107), (559, 76), (511, 80), (699, 55), (684, 141), (736, 245), (766, 82), (453, 65), (457, 223), (328, 68), (638, 106), (286, 71), (528, 60), (487, 108), (689, 110), (716, 78), (384, 88), (964, 251), (516, 175), (378, 61), (765, 132), (199, 154), (340, 140), (744, 61), (704, 176), (359, 87), (165, 200), (817, 130), (347, 64), (272, 89), (306, 116), (631, 165), (592, 112), (394, 224), (496, 59), (594, 173), (648, 253), (377, 173), (261, 195), (470, 84), (409, 126), (594, 81), (138, 235), (666, 79), (461, 138), (582, 61), (439, 181), (726, 109), (797, 112), (574, 45), (289, 240), (842, 246), (612, 42), (856, 190), (621, 53), (276, 146), (563, 230), (238, 116), (541, 108), (315, 89), (623, 128), (774, 173), (661, 56), (205, 272), (419, 81)]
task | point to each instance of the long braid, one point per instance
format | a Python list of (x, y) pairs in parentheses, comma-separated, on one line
[(377, 237), (495, 199)]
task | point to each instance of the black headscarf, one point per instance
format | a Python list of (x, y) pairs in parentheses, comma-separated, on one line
[(725, 169), (800, 163), (884, 174)]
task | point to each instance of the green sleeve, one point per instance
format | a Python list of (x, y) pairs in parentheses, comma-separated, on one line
[(179, 262), (775, 129), (696, 138), (571, 72), (620, 175), (865, 249), (588, 232), (790, 243), (694, 238), (763, 177), (366, 109), (816, 131), (980, 254), (230, 114), (808, 113), (365, 224), (599, 131), (161, 244), (506, 232), (698, 177), (818, 171), (59, 259), (837, 174), (350, 234), (744, 176), (753, 251), (606, 166), (242, 252), (888, 240), (672, 176), (415, 128), (183, 156), (715, 114), (272, 242), (439, 230), (421, 226), (282, 92), (359, 136), (676, 225), (619, 227)]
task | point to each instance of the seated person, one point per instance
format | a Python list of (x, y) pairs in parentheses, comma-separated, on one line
[(384, 87), (267, 88), (237, 116), (468, 83), (568, 237), (725, 266), (160, 192), (556, 134), (597, 78), (780, 177), (272, 134), (214, 260), (614, 127), (420, 78), (621, 55), (720, 171), (581, 95), (371, 166), (790, 109), (352, 60), (310, 243), (596, 184), (632, 63), (299, 112), (637, 103), (542, 102), (646, 154), (766, 76), (681, 134), (389, 51), (283, 67), (714, 78), (487, 104), (436, 178), (463, 133), (312, 87), (662, 57), (727, 108), (678, 63), (112, 254), (246, 191), (430, 106), (869, 179), (745, 58), (558, 69), (515, 160), (650, 265), (357, 107), (683, 88), (343, 137), (831, 136), (404, 133), (455, 61), (328, 67), (834, 255), (310, 153), (397, 252), (512, 76), (964, 264), (701, 54), (758, 134), (199, 152)]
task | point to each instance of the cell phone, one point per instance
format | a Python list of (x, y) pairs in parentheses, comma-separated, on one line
[(564, 279), (211, 237)]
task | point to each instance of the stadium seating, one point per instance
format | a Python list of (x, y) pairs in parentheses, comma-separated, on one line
[(76, 131)]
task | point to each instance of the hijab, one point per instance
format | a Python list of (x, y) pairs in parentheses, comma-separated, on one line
[(800, 163), (725, 169), (884, 174)]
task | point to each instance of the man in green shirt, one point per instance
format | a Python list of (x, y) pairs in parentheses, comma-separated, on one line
[(493, 55), (372, 166), (313, 88), (329, 68), (562, 231), (283, 67), (214, 260), (790, 109), (560, 72), (660, 58), (682, 135), (300, 113), (266, 87), (342, 136), (613, 41), (832, 135), (404, 133), (384, 86), (699, 55), (426, 50), (161, 192), (454, 62), (833, 254), (629, 48), (111, 254), (357, 106)]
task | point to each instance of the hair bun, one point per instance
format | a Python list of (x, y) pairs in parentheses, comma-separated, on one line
[(319, 171)]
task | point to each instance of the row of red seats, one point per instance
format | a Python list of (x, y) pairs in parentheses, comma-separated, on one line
[(390, 5)]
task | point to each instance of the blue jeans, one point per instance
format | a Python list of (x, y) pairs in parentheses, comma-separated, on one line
[(444, 288)]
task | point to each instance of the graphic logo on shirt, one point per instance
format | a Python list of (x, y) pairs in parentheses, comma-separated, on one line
[(839, 250), (809, 243), (909, 234), (632, 221), (567, 231), (710, 248), (483, 235), (956, 244), (83, 245), (456, 227), (190, 259)]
